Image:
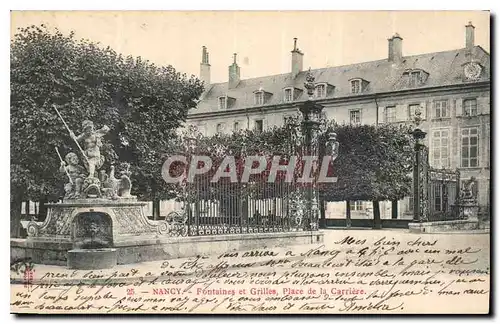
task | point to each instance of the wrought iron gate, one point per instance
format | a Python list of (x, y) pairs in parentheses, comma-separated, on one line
[(234, 208), (438, 191), (444, 188), (257, 206)]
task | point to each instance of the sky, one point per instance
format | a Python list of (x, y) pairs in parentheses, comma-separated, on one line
[(263, 39)]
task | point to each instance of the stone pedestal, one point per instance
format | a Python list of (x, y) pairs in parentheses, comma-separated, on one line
[(470, 209), (89, 224), (92, 259), (468, 220), (99, 233)]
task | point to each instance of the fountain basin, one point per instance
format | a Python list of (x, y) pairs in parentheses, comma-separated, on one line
[(92, 259)]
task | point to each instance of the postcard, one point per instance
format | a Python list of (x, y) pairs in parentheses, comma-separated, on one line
[(246, 162)]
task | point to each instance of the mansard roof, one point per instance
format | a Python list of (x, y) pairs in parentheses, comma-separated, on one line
[(444, 68)]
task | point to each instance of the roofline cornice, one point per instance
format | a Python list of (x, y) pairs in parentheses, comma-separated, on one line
[(361, 97)]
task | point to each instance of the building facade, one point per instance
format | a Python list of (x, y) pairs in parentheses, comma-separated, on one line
[(450, 88)]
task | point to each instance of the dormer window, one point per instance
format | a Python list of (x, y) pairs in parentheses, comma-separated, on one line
[(323, 89), (259, 98), (355, 86), (288, 95), (358, 85), (320, 90), (416, 77), (223, 102), (291, 94)]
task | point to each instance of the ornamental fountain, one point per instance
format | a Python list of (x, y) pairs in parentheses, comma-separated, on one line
[(98, 223)]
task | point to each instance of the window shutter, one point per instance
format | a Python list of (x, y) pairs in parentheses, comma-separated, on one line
[(483, 105), (401, 113), (381, 115), (459, 107)]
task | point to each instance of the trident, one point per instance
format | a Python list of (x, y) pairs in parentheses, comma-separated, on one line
[(60, 158), (77, 144)]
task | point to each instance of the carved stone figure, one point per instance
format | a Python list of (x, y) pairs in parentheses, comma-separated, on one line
[(114, 188), (309, 84), (103, 177), (468, 191), (333, 145), (76, 174), (92, 140), (92, 187), (110, 184), (98, 184), (125, 183)]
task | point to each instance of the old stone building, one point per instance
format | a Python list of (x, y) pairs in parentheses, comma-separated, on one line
[(451, 88)]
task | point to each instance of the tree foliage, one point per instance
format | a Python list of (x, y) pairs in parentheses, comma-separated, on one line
[(239, 146), (142, 103), (373, 163)]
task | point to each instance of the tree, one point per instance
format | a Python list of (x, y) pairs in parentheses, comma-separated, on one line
[(230, 195), (374, 163), (140, 102)]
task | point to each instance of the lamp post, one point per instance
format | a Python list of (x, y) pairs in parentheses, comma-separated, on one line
[(419, 136), (311, 114)]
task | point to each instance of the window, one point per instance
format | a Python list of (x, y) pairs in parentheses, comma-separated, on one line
[(321, 91), (390, 114), (259, 98), (441, 109), (415, 79), (470, 107), (202, 128), (220, 128), (356, 205), (259, 125), (236, 126), (356, 86), (355, 117), (288, 95), (412, 109), (440, 149), (222, 102), (469, 148)]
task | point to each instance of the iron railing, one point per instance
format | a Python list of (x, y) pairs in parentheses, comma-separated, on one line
[(240, 208), (443, 195)]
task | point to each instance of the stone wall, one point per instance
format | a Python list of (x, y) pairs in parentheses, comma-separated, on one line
[(168, 248), (443, 226)]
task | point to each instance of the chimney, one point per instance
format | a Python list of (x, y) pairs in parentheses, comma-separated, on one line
[(469, 36), (395, 48), (297, 59), (234, 73), (205, 67)]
